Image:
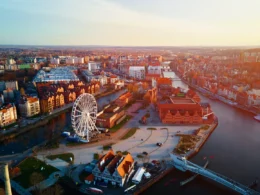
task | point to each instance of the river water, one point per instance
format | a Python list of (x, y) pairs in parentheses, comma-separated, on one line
[(40, 134), (233, 150)]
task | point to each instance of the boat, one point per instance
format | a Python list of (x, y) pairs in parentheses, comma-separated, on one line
[(65, 134), (95, 190), (257, 117)]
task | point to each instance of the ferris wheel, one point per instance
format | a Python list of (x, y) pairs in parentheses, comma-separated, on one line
[(84, 115)]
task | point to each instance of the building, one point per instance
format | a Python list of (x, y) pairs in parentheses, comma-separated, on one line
[(124, 99), (8, 84), (113, 168), (8, 94), (137, 72), (55, 61), (154, 69), (176, 110), (119, 84), (75, 60), (29, 106), (56, 74), (8, 115), (94, 66), (110, 116), (90, 77)]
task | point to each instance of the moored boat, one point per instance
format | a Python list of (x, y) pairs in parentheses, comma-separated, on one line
[(257, 117)]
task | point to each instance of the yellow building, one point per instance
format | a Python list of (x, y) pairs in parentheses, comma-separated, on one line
[(8, 115)]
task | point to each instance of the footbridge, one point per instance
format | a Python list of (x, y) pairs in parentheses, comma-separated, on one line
[(182, 164)]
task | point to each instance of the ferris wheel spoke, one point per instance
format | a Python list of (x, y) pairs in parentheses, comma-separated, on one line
[(84, 124)]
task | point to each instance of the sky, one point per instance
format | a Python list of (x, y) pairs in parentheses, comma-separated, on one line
[(130, 22)]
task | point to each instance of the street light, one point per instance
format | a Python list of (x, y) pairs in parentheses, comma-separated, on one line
[(8, 190)]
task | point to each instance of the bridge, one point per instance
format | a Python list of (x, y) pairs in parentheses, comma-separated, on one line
[(182, 164)]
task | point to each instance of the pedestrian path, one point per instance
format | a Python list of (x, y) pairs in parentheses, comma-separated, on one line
[(53, 178)]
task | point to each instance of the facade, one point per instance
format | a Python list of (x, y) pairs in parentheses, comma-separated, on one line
[(137, 72), (119, 84), (74, 60), (124, 99), (29, 106), (55, 95), (94, 66), (154, 69), (183, 111), (113, 168), (55, 61), (8, 115), (110, 116)]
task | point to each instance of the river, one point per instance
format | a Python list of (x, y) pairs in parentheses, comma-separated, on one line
[(233, 150), (54, 126)]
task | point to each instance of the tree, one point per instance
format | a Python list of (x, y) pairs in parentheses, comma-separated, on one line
[(145, 85), (54, 190), (22, 91), (147, 99), (35, 179), (130, 87)]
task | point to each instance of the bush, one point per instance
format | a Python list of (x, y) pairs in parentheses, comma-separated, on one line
[(107, 147), (151, 128), (139, 156), (96, 156), (125, 153)]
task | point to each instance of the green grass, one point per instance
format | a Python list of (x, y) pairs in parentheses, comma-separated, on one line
[(66, 157), (107, 147), (139, 156), (118, 126), (151, 128), (31, 165), (125, 153), (130, 133), (96, 156)]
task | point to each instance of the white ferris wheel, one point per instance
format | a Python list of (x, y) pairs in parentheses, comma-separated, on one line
[(84, 115)]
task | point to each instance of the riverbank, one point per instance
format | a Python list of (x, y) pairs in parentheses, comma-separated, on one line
[(202, 141), (8, 134), (209, 94), (43, 120)]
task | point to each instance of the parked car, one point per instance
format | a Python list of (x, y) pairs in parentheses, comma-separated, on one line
[(159, 144)]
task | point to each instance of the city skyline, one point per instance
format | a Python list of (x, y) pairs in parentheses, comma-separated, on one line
[(120, 23)]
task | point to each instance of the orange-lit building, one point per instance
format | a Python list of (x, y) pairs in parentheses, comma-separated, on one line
[(8, 115), (54, 96), (110, 116), (124, 99), (183, 111)]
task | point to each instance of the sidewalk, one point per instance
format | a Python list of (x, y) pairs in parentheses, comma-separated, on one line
[(47, 182)]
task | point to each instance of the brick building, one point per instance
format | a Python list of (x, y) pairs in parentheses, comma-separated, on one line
[(110, 116), (124, 99), (183, 111)]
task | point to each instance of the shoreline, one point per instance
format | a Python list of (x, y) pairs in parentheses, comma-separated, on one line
[(11, 133), (220, 98)]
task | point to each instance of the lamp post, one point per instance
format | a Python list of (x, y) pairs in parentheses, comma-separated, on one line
[(8, 190)]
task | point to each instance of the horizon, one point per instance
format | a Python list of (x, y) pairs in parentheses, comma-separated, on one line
[(136, 23)]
